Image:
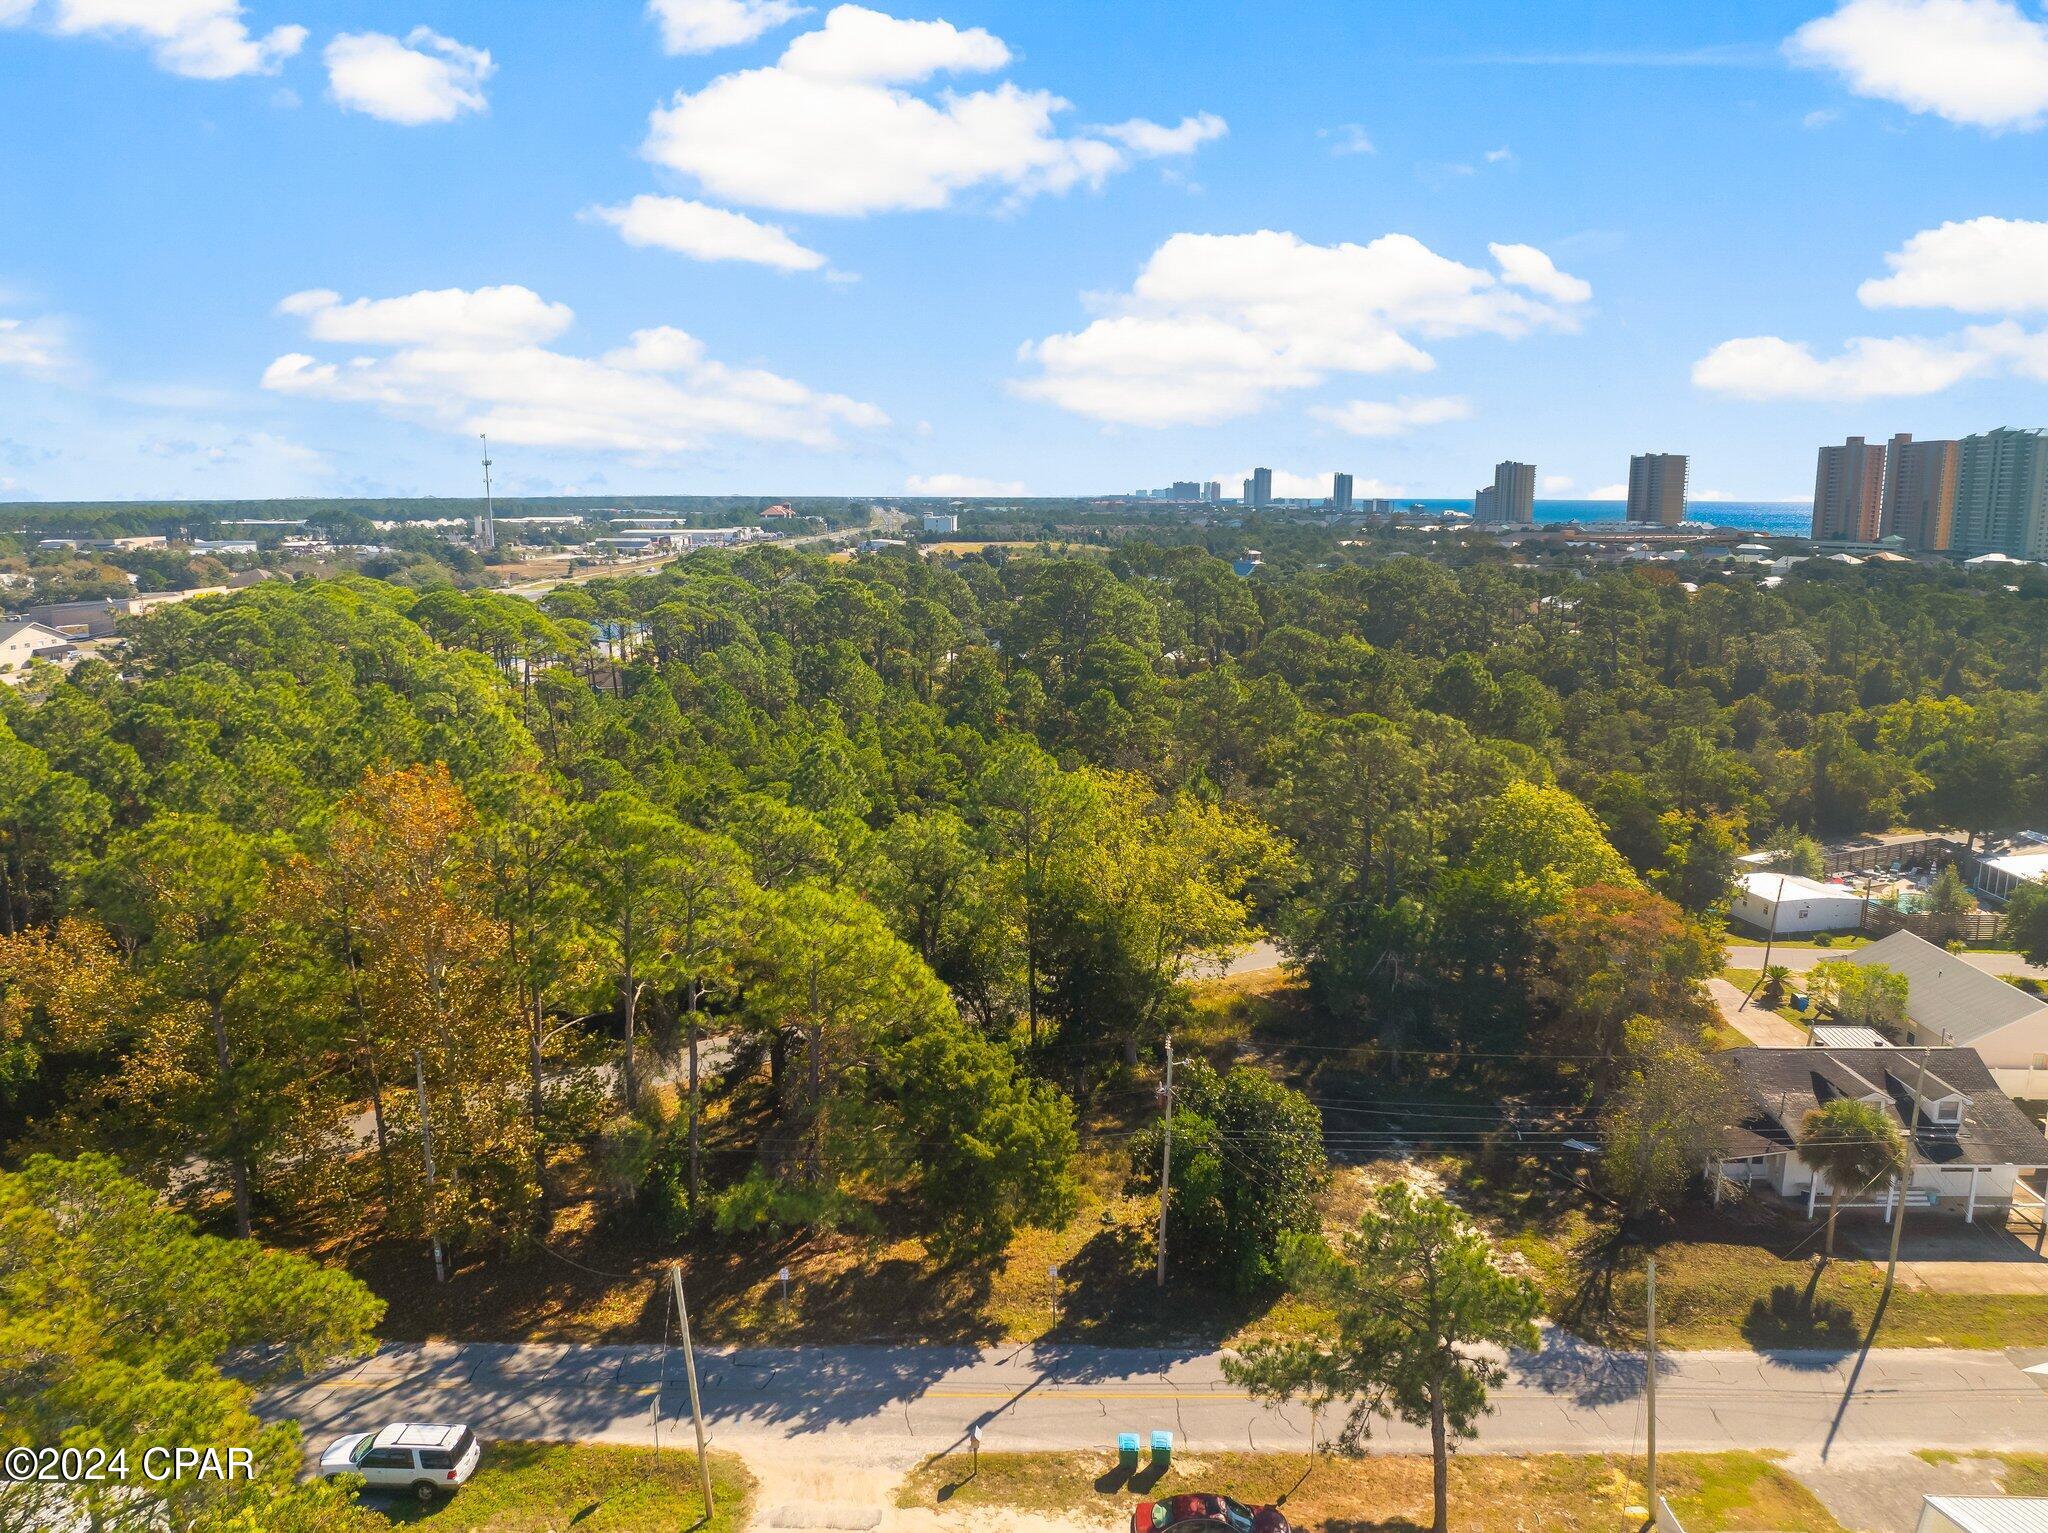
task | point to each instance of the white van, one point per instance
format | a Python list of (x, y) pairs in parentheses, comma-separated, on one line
[(423, 1459)]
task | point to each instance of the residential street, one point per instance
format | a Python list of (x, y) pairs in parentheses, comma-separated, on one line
[(1750, 955), (904, 1402)]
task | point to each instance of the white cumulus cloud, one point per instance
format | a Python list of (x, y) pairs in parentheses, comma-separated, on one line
[(1556, 484), (452, 316), (703, 26), (1980, 63), (1156, 140), (1379, 417), (960, 484), (1979, 266), (706, 233), (834, 126), (424, 78), (856, 43), (1525, 266), (200, 39), (1868, 367), (477, 361), (1216, 325)]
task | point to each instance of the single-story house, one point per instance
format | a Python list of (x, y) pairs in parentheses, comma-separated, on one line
[(1972, 1145), (1787, 904), (22, 641), (1949, 1001)]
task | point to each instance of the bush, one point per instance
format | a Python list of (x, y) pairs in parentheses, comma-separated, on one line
[(621, 1158), (1248, 1170), (763, 1202), (1824, 939)]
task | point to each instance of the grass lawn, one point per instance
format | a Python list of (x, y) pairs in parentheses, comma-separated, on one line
[(2026, 1474), (1491, 1493), (541, 1487), (1745, 1280)]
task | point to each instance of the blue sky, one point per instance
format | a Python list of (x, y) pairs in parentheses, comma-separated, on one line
[(296, 247)]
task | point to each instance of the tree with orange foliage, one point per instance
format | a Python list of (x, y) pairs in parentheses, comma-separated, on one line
[(438, 997), (1617, 951)]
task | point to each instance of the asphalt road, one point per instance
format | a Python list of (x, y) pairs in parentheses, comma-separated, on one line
[(868, 1402), (1746, 955)]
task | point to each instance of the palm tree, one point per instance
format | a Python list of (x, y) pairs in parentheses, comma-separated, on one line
[(1776, 978), (1852, 1144)]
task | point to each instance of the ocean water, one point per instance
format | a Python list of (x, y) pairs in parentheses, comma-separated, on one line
[(1778, 518)]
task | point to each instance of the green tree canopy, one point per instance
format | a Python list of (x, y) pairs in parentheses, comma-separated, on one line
[(116, 1320), (1412, 1292)]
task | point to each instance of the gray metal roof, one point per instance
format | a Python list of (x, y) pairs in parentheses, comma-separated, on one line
[(1836, 1036), (1994, 1514), (1944, 995)]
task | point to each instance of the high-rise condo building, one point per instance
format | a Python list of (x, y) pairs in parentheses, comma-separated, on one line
[(1212, 491), (1514, 493), (1919, 493), (1185, 490), (1246, 498), (1262, 487), (1848, 493), (2002, 493), (1485, 504), (1340, 492), (1656, 488)]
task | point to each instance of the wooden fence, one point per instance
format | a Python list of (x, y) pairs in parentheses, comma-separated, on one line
[(1970, 925)]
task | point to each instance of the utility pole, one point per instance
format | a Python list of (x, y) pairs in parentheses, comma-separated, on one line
[(1165, 1157), (1770, 936), (1891, 1270), (1650, 1386), (675, 1279), (419, 1075)]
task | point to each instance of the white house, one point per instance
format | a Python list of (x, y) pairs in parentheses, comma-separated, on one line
[(1949, 1001), (1974, 1150), (1787, 904), (22, 641)]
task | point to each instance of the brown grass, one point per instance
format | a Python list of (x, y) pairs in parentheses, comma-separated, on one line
[(1489, 1493)]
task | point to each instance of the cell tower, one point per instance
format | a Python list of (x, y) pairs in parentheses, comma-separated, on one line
[(486, 525)]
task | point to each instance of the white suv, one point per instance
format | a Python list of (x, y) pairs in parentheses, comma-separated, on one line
[(408, 1456)]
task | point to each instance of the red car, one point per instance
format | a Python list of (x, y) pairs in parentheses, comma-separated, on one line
[(1199, 1513)]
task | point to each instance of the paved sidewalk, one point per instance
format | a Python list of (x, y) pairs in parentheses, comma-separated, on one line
[(1765, 1029)]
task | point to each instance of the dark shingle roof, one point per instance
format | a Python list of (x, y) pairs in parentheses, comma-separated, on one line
[(1783, 1085)]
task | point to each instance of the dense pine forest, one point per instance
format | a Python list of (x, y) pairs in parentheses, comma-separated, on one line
[(777, 893)]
